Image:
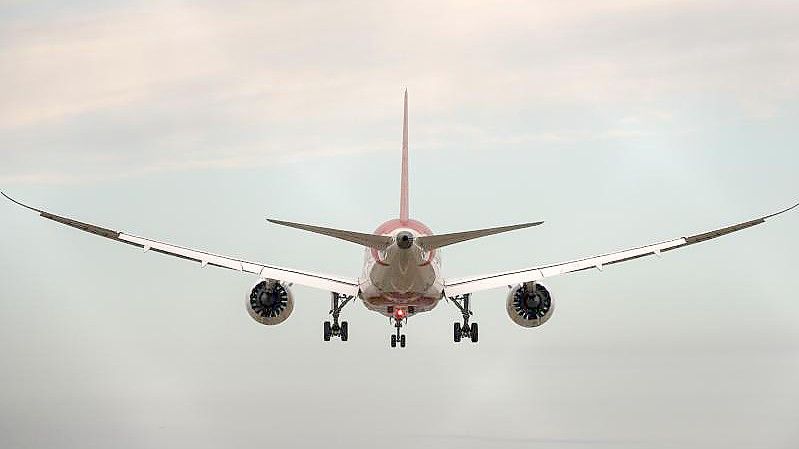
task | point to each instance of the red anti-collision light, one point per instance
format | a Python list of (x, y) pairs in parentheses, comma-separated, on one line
[(399, 314)]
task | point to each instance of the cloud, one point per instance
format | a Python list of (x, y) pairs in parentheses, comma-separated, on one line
[(128, 89)]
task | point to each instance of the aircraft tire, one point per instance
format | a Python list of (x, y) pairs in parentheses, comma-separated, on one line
[(328, 331)]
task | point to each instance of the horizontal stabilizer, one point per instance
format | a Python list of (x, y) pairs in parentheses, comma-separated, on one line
[(378, 242), (430, 242)]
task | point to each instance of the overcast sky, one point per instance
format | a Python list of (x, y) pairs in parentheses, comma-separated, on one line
[(619, 123)]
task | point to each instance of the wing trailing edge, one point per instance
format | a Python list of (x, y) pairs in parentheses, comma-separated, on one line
[(204, 258), (455, 287)]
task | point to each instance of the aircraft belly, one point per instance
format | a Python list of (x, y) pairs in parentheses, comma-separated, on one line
[(418, 286)]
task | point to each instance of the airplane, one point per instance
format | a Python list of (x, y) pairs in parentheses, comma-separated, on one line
[(401, 274)]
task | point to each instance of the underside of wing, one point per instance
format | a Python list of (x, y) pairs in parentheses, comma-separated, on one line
[(320, 281), (457, 287)]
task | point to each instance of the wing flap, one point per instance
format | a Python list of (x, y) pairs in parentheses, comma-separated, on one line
[(324, 282)]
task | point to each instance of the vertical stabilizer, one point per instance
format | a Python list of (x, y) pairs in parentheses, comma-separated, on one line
[(404, 182)]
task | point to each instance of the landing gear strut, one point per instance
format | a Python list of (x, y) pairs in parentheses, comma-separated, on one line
[(337, 302), (464, 330)]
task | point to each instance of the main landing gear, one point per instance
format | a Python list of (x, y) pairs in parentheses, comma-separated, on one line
[(398, 316), (464, 330), (335, 329)]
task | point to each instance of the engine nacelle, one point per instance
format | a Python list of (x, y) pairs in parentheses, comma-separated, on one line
[(530, 304), (270, 302)]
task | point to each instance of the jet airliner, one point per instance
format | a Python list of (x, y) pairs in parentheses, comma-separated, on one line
[(401, 274)]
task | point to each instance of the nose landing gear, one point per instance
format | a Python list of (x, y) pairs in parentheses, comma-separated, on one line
[(398, 337), (399, 315), (335, 329), (464, 330)]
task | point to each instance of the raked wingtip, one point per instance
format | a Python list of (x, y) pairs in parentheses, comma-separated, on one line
[(18, 203), (11, 199), (782, 211)]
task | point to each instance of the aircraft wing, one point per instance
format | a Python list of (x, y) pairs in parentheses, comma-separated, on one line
[(457, 287), (320, 281)]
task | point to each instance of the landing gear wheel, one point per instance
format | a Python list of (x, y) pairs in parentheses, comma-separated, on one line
[(393, 341), (336, 329), (465, 330), (402, 341)]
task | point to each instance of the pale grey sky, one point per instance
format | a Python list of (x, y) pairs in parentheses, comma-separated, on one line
[(618, 122)]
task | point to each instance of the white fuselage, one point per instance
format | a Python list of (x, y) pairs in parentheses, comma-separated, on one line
[(398, 278)]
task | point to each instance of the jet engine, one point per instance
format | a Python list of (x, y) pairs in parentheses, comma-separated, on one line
[(270, 302), (530, 304)]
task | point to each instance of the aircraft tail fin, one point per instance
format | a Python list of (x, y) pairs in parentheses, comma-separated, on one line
[(404, 181), (431, 242)]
